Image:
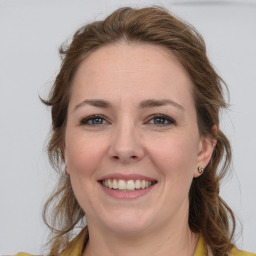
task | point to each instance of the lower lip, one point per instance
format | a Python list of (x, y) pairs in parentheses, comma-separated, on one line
[(126, 195)]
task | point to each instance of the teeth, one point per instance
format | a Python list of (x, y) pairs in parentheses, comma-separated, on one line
[(143, 184), (115, 184), (130, 185), (137, 184), (121, 184), (110, 183)]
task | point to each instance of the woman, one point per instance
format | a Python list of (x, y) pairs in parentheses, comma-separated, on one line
[(135, 135)]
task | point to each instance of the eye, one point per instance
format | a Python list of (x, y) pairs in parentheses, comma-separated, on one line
[(93, 120), (161, 120)]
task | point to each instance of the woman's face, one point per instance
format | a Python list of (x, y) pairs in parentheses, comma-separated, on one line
[(132, 145)]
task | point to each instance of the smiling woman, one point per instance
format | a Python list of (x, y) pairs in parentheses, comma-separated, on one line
[(142, 140), (135, 121)]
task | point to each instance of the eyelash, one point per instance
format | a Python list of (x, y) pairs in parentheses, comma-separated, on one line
[(85, 121), (162, 117)]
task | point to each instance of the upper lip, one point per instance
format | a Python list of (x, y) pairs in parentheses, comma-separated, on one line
[(120, 176)]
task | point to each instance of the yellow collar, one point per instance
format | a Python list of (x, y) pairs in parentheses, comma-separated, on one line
[(200, 248), (76, 246)]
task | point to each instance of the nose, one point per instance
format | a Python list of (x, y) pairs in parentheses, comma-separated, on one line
[(126, 145)]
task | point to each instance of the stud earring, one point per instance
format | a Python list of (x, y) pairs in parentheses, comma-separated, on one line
[(66, 171), (200, 169)]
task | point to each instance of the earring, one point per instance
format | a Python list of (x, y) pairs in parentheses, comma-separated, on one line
[(66, 172), (200, 169)]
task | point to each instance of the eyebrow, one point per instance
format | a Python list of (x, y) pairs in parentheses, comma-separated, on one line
[(150, 103), (95, 103)]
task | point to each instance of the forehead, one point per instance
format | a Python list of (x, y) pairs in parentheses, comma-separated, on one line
[(131, 69)]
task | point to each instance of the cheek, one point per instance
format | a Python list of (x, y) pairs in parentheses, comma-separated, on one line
[(82, 154), (175, 156), (174, 159)]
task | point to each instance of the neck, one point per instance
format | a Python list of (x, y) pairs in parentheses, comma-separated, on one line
[(167, 241)]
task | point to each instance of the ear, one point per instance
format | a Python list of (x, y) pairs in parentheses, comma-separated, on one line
[(205, 150)]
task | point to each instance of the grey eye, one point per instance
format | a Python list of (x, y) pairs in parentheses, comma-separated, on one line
[(93, 120), (161, 120)]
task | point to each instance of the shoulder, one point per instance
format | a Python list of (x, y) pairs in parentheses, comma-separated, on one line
[(236, 252)]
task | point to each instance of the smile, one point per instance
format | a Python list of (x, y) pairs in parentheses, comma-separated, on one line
[(127, 185)]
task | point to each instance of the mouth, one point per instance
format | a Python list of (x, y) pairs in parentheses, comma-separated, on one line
[(127, 185)]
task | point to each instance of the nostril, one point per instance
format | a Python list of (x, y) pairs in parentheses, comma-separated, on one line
[(117, 157)]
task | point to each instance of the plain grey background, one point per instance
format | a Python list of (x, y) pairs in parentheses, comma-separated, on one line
[(31, 32)]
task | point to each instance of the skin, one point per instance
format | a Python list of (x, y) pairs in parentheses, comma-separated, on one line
[(129, 140)]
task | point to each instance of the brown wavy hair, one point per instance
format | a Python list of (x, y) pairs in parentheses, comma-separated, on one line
[(208, 213)]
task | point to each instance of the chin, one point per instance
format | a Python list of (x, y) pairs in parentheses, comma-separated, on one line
[(128, 222)]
